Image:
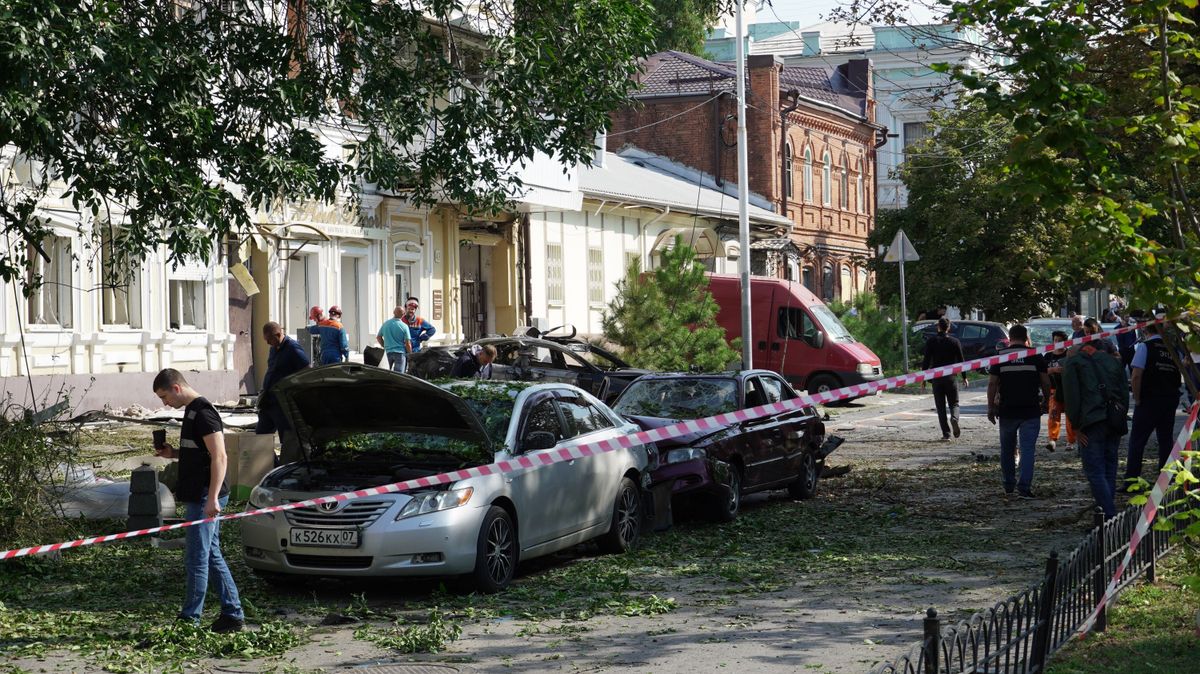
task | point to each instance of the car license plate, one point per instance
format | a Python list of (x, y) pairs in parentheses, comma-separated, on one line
[(325, 538)]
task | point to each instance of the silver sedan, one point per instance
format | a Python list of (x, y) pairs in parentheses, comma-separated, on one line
[(363, 427)]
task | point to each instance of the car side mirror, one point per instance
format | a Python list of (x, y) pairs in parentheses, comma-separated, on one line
[(539, 440), (817, 340)]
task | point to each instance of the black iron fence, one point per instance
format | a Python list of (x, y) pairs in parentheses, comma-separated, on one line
[(1018, 635)]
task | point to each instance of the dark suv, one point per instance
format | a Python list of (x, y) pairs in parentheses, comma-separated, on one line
[(979, 338)]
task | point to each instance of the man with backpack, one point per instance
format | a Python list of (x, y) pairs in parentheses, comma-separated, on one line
[(1095, 391), (1155, 383)]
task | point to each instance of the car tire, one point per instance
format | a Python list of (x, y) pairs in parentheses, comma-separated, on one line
[(822, 383), (726, 509), (496, 553), (626, 524), (805, 486)]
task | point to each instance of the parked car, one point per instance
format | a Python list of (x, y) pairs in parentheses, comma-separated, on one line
[(979, 339), (548, 359), (363, 427), (1041, 330), (794, 334), (717, 467)]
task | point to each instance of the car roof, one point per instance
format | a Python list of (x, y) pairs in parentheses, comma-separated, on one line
[(729, 374)]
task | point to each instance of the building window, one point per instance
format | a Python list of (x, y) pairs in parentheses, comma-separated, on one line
[(862, 280), (808, 186), (826, 179), (50, 303), (845, 186), (827, 282), (187, 304), (914, 132), (858, 186), (847, 289), (787, 170), (120, 284), (554, 273), (807, 278), (595, 270)]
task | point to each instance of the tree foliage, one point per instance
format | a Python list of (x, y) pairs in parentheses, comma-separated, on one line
[(177, 120), (666, 319), (683, 24), (981, 245)]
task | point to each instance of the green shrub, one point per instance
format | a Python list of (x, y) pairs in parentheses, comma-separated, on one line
[(879, 328)]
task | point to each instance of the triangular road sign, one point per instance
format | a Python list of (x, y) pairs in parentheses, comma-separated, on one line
[(901, 249)]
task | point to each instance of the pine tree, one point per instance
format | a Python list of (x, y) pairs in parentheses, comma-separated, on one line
[(667, 320)]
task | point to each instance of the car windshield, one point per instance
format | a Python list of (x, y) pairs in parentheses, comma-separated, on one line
[(1041, 335), (679, 398), (594, 356), (830, 323)]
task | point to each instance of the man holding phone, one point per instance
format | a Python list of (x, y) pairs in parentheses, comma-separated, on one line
[(201, 488)]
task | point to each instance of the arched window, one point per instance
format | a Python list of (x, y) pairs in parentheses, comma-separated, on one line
[(826, 178), (827, 282), (787, 170), (862, 197), (844, 199), (862, 280), (808, 187), (807, 276), (847, 289)]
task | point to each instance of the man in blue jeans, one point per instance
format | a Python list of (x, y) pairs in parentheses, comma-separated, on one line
[(1017, 395), (202, 490), (1090, 375)]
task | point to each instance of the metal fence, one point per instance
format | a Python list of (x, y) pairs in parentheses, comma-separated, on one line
[(1019, 634)]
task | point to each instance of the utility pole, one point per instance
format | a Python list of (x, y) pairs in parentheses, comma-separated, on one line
[(743, 190)]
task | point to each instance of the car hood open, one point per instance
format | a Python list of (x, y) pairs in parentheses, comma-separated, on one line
[(334, 401)]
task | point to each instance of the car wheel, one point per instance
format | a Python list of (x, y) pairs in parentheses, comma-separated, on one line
[(626, 520), (726, 509), (822, 383), (496, 553), (805, 486)]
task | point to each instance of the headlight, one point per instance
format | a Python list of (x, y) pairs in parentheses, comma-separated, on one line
[(681, 455), (866, 368), (433, 501), (262, 497)]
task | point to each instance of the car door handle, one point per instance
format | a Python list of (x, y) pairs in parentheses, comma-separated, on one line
[(762, 345), (775, 346)]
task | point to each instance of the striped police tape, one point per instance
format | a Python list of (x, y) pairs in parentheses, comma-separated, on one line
[(1149, 511), (581, 450)]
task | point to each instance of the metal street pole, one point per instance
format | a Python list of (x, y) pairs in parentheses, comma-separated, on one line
[(743, 187), (903, 308)]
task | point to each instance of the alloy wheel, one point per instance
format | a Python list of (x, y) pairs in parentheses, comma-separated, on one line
[(499, 550), (627, 516)]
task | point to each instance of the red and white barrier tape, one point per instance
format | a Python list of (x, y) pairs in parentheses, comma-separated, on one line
[(581, 450), (1149, 511)]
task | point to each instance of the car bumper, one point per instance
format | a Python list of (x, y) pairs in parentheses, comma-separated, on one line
[(852, 377), (436, 544), (696, 475)]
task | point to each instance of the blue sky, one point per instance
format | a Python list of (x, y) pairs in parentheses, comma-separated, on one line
[(813, 11)]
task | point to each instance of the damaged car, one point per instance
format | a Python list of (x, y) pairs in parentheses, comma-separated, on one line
[(716, 468), (545, 358), (365, 427)]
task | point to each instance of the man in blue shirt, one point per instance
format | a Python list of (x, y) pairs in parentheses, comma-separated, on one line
[(395, 338), (335, 347), (285, 358), (1155, 382), (420, 329)]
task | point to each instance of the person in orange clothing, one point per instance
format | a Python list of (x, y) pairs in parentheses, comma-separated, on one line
[(1056, 416), (335, 347)]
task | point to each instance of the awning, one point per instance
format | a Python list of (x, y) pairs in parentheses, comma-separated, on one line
[(703, 240)]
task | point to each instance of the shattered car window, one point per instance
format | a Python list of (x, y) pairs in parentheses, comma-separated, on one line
[(682, 398)]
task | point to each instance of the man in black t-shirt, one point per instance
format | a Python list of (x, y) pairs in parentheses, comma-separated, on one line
[(1018, 392), (202, 490), (942, 349)]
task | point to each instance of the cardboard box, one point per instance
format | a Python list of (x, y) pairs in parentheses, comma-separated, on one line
[(251, 456)]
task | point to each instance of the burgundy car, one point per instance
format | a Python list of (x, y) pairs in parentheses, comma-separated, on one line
[(716, 468)]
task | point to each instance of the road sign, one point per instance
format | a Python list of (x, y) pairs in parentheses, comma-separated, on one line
[(901, 249)]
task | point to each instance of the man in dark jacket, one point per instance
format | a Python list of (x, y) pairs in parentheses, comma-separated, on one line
[(1155, 383), (285, 358), (1018, 393), (473, 361), (1091, 375), (942, 349)]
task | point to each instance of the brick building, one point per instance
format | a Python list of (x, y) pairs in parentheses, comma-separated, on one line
[(812, 152)]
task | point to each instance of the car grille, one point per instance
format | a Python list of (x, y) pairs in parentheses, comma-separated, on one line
[(330, 562), (353, 514)]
